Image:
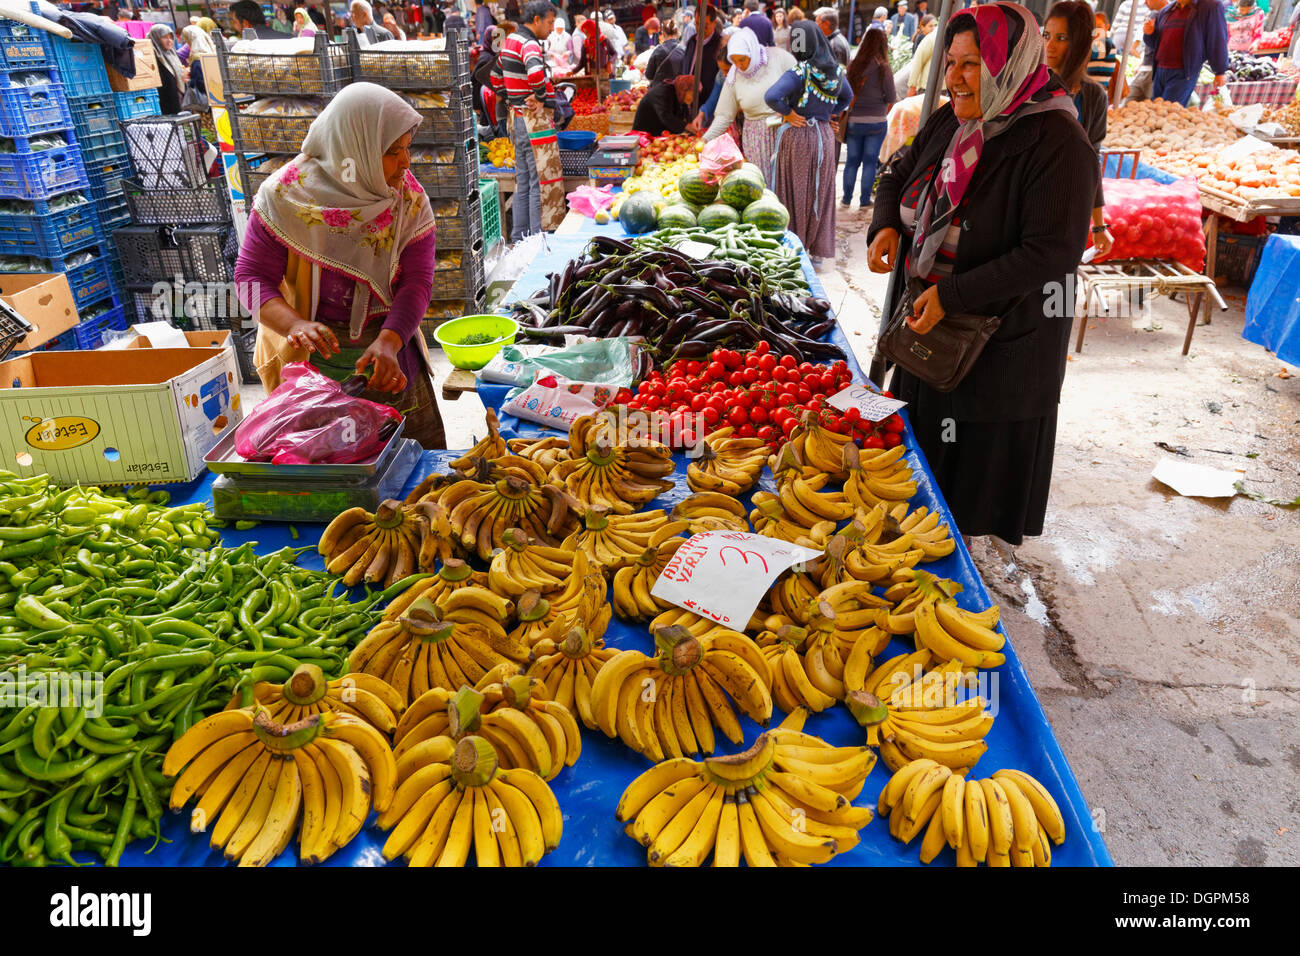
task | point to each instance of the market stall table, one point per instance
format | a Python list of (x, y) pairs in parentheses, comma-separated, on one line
[(1146, 276), (1218, 203), (505, 180), (1273, 302), (1272, 93)]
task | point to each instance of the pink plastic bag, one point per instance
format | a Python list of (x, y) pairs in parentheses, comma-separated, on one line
[(309, 419), (1149, 220), (719, 158), (588, 200)]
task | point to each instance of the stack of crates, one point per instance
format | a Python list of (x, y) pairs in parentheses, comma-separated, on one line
[(178, 254), (444, 159), (49, 222)]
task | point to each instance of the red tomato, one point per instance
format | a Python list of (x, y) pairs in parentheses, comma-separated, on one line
[(873, 441), (750, 375), (851, 414), (716, 370), (746, 431), (738, 416), (711, 415), (892, 440), (735, 378), (894, 424), (788, 361), (698, 402), (788, 426), (758, 414), (762, 348), (751, 361), (767, 433), (803, 394)]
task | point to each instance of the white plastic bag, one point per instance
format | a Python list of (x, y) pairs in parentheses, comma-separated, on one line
[(556, 402)]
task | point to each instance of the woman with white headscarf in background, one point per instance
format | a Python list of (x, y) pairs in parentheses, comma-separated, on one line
[(337, 262), (200, 43), (173, 75), (754, 68)]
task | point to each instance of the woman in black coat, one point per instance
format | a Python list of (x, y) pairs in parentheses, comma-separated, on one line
[(990, 208), (666, 108)]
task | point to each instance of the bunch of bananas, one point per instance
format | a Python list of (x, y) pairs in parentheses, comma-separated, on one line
[(307, 692), (801, 494), (381, 547), (547, 452), (529, 565), (817, 659), (875, 476), (632, 584), (569, 664), (710, 511), (613, 541), (822, 449), (949, 735), (669, 704), (254, 777), (431, 647), (933, 538), (855, 554), (726, 464), (786, 801), (910, 588), (454, 573), (582, 600), (1007, 820), (771, 520), (459, 798), (488, 448), (482, 512), (621, 477), (525, 727)]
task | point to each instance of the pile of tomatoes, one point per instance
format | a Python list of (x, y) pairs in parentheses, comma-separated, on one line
[(759, 394)]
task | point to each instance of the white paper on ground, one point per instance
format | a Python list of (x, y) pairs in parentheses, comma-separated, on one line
[(162, 335), (722, 575), (873, 406), (1196, 481)]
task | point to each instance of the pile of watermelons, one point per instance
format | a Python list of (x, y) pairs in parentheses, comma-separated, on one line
[(742, 196)]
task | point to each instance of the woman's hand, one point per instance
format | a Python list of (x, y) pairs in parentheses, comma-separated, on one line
[(312, 336), (883, 250), (1102, 242), (927, 311), (795, 120), (382, 354)]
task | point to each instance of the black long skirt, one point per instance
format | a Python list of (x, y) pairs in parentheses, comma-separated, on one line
[(995, 475)]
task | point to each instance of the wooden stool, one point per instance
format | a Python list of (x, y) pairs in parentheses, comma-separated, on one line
[(1143, 275)]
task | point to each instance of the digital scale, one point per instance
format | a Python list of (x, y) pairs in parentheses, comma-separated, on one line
[(614, 159), (261, 491)]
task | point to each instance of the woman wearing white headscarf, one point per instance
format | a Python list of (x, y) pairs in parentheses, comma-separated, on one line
[(171, 72), (754, 68), (302, 23), (200, 43), (337, 263)]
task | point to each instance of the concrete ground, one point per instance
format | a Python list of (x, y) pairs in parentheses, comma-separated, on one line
[(1161, 633)]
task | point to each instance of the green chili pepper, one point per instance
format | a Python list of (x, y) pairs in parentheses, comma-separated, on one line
[(123, 832), (36, 614), (57, 844), (31, 764), (43, 732)]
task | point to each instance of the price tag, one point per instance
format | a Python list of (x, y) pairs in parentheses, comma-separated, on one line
[(694, 249), (873, 406), (722, 575)]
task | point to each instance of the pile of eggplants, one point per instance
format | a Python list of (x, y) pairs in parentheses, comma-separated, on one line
[(682, 307)]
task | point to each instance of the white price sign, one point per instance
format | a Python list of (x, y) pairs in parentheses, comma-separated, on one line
[(722, 575), (873, 406), (694, 249)]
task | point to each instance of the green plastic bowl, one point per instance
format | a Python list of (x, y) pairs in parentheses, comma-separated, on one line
[(451, 334)]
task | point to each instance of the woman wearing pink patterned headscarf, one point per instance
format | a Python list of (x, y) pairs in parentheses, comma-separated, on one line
[(989, 211)]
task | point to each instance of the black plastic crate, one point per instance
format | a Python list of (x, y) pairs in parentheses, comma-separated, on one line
[(573, 162), (13, 329), (445, 170), (270, 133), (255, 170), (412, 70), (166, 151), (245, 340), (205, 204), (462, 232), (148, 254), (451, 124), (463, 281), (322, 72), (208, 253), (188, 306)]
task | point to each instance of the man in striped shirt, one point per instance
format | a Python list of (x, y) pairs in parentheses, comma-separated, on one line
[(520, 76)]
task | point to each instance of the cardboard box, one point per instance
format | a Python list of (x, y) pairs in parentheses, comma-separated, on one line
[(132, 416), (146, 71), (212, 78), (43, 300), (198, 340)]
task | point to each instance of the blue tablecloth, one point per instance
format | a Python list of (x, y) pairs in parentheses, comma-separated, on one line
[(1273, 302), (588, 792)]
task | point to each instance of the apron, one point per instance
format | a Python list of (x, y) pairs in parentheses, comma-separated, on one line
[(546, 154), (272, 352)]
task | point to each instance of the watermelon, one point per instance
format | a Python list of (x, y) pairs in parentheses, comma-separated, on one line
[(741, 188), (755, 170), (695, 210), (716, 215), (695, 190), (677, 215), (768, 214), (674, 198), (637, 214)]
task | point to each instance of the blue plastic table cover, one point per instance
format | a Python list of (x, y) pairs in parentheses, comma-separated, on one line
[(588, 792), (1273, 302)]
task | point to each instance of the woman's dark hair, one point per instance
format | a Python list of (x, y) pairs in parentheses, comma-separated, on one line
[(1079, 22), (872, 50), (956, 27)]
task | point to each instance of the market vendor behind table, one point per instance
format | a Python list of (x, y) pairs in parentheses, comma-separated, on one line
[(338, 258)]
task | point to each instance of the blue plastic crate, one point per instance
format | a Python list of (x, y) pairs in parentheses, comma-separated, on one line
[(23, 47), (90, 282), (106, 178), (113, 212), (43, 233), (100, 148), (61, 343), (30, 110), (92, 115), (81, 67), (39, 175), (137, 103), (89, 333)]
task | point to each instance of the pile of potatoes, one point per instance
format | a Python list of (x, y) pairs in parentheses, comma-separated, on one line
[(1163, 127)]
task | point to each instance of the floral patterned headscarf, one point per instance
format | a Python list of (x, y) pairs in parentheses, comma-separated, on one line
[(332, 205), (1014, 83)]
